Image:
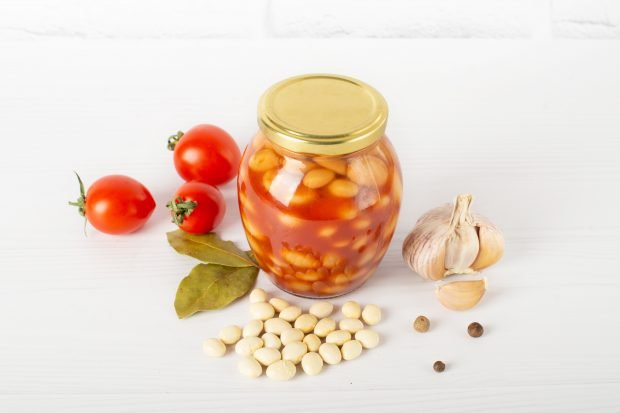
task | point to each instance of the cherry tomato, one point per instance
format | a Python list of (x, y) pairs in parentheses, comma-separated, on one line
[(197, 207), (205, 153), (115, 204)]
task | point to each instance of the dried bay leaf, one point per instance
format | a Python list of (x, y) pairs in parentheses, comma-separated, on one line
[(212, 286), (210, 248), (228, 274)]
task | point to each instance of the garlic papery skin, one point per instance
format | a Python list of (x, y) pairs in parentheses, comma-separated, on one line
[(452, 240)]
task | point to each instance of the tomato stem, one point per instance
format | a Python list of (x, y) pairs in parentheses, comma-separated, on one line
[(80, 203), (181, 209), (173, 140)]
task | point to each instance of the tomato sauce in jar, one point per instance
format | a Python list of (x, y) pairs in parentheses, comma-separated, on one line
[(320, 186)]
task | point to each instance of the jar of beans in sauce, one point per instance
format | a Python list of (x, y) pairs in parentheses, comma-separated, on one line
[(320, 185)]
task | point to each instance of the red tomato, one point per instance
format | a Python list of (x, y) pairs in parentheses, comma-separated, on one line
[(115, 204), (197, 207), (205, 153)]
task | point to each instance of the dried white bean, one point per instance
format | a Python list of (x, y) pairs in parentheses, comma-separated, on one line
[(371, 314), (230, 334), (253, 328), (352, 325), (338, 337), (290, 335), (351, 350), (247, 346), (351, 309), (313, 342), (278, 303), (249, 367), (324, 327), (294, 351), (267, 356), (368, 338), (330, 353), (258, 295), (262, 311), (214, 347), (290, 313), (281, 370), (312, 363), (321, 309), (271, 340), (306, 322), (276, 326)]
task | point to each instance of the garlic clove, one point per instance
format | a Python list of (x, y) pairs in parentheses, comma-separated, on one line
[(462, 248), (434, 267), (462, 245), (491, 247), (425, 252), (461, 295)]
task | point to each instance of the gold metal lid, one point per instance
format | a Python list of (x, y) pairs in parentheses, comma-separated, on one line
[(322, 114)]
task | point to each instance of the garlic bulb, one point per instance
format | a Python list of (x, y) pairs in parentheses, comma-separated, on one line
[(451, 240)]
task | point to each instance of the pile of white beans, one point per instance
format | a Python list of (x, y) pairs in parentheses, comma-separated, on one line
[(281, 336)]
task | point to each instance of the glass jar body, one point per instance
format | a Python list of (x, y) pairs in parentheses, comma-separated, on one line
[(319, 225)]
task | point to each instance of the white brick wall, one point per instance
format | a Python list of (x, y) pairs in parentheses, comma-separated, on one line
[(131, 19), (586, 18), (400, 18)]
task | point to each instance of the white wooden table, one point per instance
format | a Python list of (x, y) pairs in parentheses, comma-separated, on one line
[(531, 129)]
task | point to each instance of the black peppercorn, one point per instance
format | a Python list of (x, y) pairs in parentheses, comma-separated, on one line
[(421, 324), (475, 329), (439, 366)]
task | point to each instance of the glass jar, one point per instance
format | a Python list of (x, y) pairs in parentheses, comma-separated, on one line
[(320, 185)]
